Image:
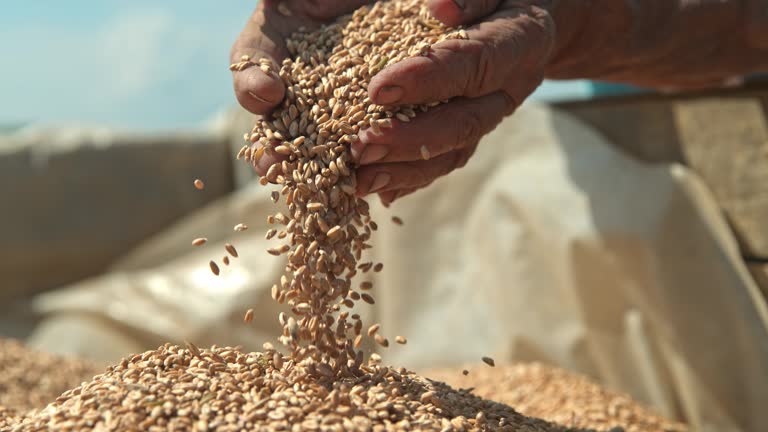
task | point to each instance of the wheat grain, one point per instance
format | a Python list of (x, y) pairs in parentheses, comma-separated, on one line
[(214, 267), (231, 250)]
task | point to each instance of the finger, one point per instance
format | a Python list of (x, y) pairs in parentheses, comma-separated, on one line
[(263, 164), (260, 158), (406, 175), (405, 192), (388, 197), (257, 91), (506, 51), (443, 129), (456, 12)]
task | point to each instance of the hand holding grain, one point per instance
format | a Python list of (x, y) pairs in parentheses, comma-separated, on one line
[(264, 36), (485, 77)]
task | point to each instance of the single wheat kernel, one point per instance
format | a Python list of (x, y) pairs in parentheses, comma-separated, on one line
[(214, 268), (381, 340), (334, 232), (489, 361), (367, 298), (199, 184), (373, 329), (397, 220), (231, 249), (248, 316), (401, 340), (240, 227), (199, 241)]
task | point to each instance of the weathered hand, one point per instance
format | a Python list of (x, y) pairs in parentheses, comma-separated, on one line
[(485, 77), (264, 37)]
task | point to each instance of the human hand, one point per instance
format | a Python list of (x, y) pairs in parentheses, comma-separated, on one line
[(264, 37), (485, 77)]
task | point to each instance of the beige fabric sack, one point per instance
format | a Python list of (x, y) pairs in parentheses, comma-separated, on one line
[(550, 245)]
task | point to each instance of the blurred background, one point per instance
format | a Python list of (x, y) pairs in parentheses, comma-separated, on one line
[(133, 65)]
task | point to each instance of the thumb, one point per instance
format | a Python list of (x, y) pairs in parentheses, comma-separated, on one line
[(257, 90), (457, 12)]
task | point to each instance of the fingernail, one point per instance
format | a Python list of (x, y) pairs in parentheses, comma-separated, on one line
[(381, 180), (258, 98), (389, 94), (264, 88), (460, 3), (388, 197), (373, 153)]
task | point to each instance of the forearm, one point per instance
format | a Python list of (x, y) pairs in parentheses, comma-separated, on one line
[(660, 43)]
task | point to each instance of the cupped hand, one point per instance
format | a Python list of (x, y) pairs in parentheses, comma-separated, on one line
[(264, 36), (485, 78)]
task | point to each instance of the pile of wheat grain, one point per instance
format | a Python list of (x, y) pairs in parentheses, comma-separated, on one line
[(32, 379), (187, 383), (558, 396), (224, 389)]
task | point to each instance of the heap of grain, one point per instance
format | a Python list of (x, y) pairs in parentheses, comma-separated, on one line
[(327, 227), (33, 379), (223, 389), (558, 396)]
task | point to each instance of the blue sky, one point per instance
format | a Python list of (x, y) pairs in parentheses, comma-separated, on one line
[(129, 64), (138, 64)]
